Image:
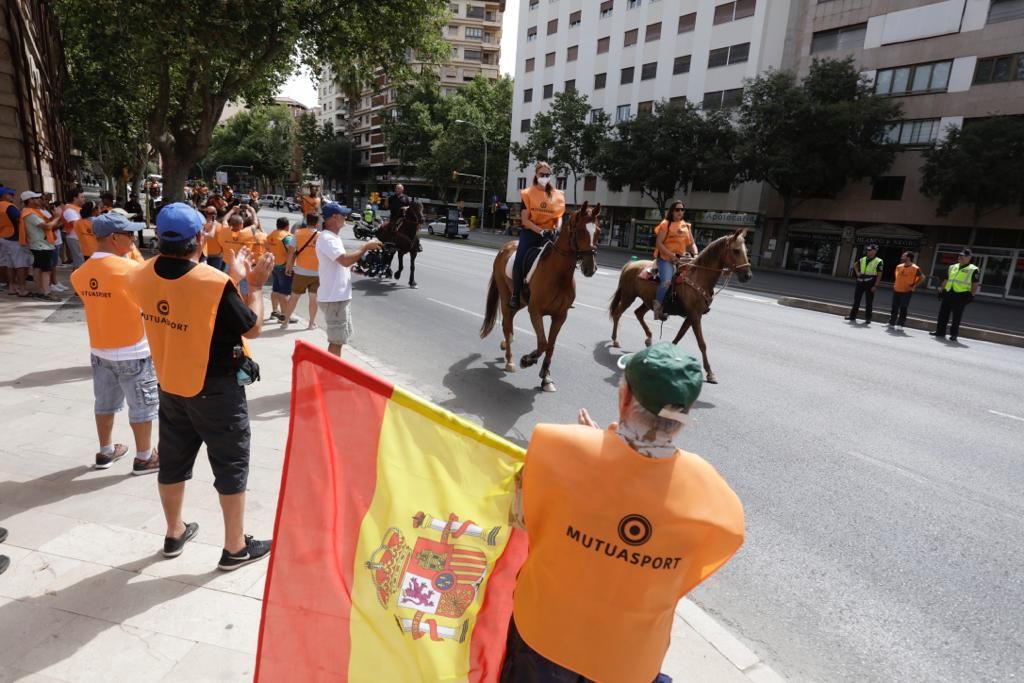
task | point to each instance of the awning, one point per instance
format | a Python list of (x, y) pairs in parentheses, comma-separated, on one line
[(816, 228)]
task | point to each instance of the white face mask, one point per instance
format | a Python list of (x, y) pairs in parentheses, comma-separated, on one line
[(543, 182)]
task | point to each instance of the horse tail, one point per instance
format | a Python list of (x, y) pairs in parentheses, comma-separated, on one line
[(613, 307), (492, 309)]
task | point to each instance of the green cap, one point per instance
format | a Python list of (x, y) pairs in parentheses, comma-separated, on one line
[(663, 379)]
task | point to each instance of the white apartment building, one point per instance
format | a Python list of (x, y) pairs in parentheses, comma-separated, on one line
[(626, 55)]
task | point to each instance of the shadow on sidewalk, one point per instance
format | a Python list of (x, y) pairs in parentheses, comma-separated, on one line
[(481, 391), (45, 378), (57, 486), (270, 407)]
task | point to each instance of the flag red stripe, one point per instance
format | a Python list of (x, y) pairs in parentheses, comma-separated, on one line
[(309, 581), (492, 621)]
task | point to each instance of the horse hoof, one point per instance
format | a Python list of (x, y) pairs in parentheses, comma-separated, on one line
[(549, 387), (711, 378), (413, 285), (510, 367), (647, 342), (615, 345)]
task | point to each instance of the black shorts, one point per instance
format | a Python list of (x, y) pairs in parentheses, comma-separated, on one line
[(43, 259), (219, 417)]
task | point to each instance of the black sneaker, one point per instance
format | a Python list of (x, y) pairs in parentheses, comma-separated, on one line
[(252, 552), (276, 316), (174, 546), (952, 338), (105, 461)]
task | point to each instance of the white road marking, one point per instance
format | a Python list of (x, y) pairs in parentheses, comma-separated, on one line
[(595, 308), (755, 299), (1012, 417)]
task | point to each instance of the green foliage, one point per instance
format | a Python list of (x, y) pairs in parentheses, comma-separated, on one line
[(311, 136), (261, 137), (980, 166), (333, 160), (809, 139), (187, 59), (566, 136), (664, 151)]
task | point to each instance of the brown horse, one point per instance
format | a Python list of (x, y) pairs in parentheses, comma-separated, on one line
[(552, 289), (405, 236), (694, 286)]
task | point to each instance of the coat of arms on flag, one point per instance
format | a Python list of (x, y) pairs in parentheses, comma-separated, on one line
[(393, 557)]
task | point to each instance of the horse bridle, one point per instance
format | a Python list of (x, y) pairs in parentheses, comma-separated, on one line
[(576, 252)]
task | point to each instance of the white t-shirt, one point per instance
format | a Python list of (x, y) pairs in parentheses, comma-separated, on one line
[(335, 279), (71, 214)]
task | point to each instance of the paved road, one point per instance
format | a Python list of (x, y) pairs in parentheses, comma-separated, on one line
[(881, 473)]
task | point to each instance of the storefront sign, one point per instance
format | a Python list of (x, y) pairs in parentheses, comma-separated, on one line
[(727, 218)]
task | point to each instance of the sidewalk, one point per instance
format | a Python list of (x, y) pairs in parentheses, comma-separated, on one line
[(984, 313), (89, 598)]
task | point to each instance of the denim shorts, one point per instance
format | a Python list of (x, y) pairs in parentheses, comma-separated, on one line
[(134, 381), (282, 281)]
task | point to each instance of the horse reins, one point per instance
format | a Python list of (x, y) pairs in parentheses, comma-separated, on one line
[(576, 253)]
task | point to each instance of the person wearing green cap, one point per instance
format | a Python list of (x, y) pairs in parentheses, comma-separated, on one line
[(622, 524)]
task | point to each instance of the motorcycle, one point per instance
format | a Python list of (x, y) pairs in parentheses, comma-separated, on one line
[(363, 230), (291, 205)]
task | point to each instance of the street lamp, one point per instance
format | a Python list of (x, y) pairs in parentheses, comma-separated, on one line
[(483, 181)]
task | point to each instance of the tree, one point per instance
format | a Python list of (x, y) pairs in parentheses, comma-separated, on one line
[(980, 166), (261, 138), (310, 136), (664, 151), (567, 136), (332, 160), (421, 115), (190, 58), (809, 139)]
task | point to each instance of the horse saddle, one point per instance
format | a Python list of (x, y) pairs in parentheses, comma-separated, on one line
[(530, 265), (651, 273)]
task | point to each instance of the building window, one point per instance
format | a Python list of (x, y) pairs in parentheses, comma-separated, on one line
[(627, 75), (595, 114), (528, 95), (575, 18), (633, 4), (549, 90), (453, 30), (913, 133), (687, 22), (560, 183), (474, 12), (732, 11), (723, 99), (474, 33), (599, 81), (531, 34), (603, 44), (888, 188), (471, 55), (589, 183), (553, 26), (845, 38), (524, 126), (1005, 10), (533, 4), (529, 65), (606, 8), (681, 65), (570, 85), (622, 113), (572, 53), (630, 37), (733, 54), (646, 107), (549, 59), (649, 71), (677, 101), (1000, 69), (653, 32), (454, 7), (920, 78), (521, 183)]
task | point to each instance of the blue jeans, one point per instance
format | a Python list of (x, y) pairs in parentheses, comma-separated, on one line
[(666, 271), (527, 241)]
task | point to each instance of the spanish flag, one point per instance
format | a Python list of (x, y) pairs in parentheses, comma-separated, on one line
[(393, 557)]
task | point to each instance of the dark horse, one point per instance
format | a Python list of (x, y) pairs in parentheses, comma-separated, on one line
[(552, 288), (403, 231), (693, 286)]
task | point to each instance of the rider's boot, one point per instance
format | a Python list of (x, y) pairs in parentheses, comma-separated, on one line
[(659, 310)]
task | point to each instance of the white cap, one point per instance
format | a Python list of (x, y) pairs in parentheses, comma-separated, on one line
[(29, 194)]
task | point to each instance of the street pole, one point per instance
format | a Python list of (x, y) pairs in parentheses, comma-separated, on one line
[(483, 180)]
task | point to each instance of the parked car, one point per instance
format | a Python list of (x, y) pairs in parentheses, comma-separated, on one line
[(439, 227), (272, 201)]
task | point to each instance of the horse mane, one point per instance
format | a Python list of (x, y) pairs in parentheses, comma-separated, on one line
[(711, 251)]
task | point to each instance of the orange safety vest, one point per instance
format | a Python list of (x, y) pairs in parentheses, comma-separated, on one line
[(275, 244), (86, 237), (677, 236), (179, 316), (212, 246), (305, 249), (114, 319), (543, 210), (258, 245), (23, 229), (310, 204), (616, 540), (7, 227), (233, 241)]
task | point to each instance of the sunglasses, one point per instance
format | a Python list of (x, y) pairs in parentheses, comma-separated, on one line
[(543, 175), (678, 208)]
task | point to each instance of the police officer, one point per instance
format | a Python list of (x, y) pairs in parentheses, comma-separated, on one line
[(869, 271), (957, 290)]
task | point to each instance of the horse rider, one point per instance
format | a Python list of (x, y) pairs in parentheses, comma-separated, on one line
[(398, 201), (543, 207), (674, 241)]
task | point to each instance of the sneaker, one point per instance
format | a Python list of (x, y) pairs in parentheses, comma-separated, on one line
[(937, 335), (252, 552), (952, 338), (276, 316), (105, 461), (174, 546), (151, 466), (47, 297)]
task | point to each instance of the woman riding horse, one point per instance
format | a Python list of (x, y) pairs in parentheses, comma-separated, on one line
[(675, 238), (543, 207)]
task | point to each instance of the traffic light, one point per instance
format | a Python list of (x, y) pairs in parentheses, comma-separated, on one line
[(375, 197)]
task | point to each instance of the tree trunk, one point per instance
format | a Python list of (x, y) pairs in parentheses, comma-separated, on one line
[(175, 172)]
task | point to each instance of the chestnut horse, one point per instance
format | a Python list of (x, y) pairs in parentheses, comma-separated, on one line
[(694, 286), (405, 236), (552, 288)]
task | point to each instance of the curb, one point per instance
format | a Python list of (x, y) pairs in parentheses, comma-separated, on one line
[(738, 654), (1004, 338)]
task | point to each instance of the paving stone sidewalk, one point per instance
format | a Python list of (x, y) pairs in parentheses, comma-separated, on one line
[(88, 597)]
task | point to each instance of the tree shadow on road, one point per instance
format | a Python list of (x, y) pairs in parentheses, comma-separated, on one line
[(481, 391), (46, 378), (270, 407)]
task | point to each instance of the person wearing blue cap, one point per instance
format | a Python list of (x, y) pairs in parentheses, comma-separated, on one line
[(197, 324), (122, 366)]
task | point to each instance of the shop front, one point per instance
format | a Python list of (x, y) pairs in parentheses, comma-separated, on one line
[(892, 241), (1002, 270), (710, 225), (813, 247)]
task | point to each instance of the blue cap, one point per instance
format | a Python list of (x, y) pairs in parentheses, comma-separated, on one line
[(178, 222), (334, 209), (106, 224), (6, 190)]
